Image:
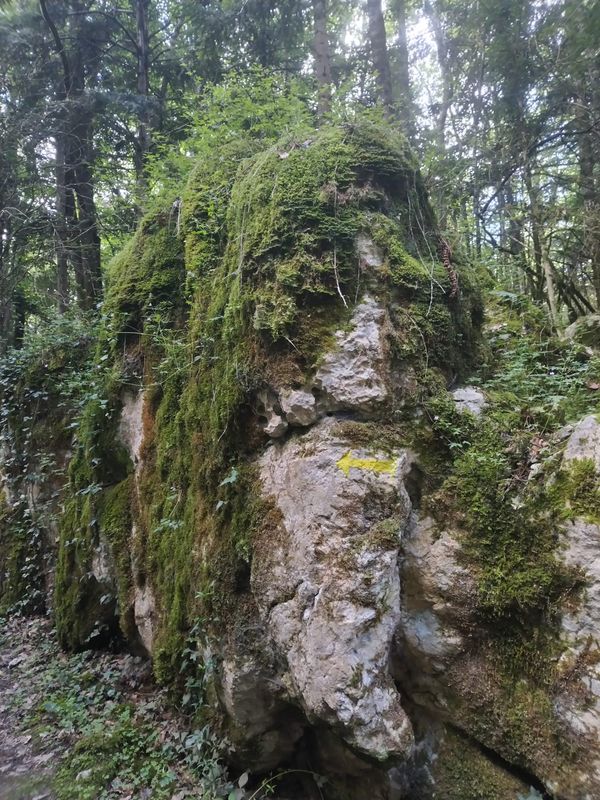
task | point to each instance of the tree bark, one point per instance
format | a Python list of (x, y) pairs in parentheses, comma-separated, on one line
[(322, 58), (441, 46), (589, 189), (77, 227), (143, 89), (60, 228), (541, 254), (6, 292), (380, 56), (405, 105)]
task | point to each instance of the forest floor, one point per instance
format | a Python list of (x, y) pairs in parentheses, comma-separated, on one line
[(26, 764), (94, 726), (91, 726)]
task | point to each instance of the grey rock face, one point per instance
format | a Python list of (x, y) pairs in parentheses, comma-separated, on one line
[(584, 441), (580, 709), (298, 406), (449, 678), (355, 374), (436, 591), (131, 434), (585, 330), (102, 565), (275, 425), (468, 398), (144, 608), (432, 579), (327, 582), (131, 428), (370, 256), (259, 717)]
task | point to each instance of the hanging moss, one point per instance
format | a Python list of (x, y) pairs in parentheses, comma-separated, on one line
[(147, 277), (96, 514), (41, 389)]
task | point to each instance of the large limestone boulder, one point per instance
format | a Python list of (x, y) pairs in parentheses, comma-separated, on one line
[(267, 459)]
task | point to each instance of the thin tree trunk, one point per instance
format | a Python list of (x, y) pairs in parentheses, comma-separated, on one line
[(405, 105), (322, 58), (60, 232), (77, 225), (441, 46), (81, 183), (380, 56), (541, 255), (143, 90), (6, 298), (589, 189)]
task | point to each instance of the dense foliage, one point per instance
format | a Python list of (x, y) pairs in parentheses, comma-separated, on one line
[(102, 105)]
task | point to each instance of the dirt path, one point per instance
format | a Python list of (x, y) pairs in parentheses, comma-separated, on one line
[(26, 762)]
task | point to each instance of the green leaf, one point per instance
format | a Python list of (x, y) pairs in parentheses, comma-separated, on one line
[(231, 478)]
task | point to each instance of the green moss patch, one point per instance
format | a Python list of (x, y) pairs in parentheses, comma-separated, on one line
[(463, 772)]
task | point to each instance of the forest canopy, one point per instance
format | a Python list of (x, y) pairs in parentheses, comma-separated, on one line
[(103, 106)]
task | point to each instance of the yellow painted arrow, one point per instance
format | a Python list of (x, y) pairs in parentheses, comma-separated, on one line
[(348, 462)]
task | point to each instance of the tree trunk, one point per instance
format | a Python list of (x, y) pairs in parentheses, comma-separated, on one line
[(77, 227), (80, 180), (590, 192), (380, 56), (322, 58), (441, 47), (541, 255), (60, 230), (6, 299), (143, 90), (405, 105)]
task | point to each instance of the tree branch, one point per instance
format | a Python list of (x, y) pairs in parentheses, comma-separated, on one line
[(60, 48)]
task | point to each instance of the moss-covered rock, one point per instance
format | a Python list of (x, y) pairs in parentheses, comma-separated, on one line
[(586, 331), (42, 386), (275, 268), (264, 244), (308, 276), (462, 771)]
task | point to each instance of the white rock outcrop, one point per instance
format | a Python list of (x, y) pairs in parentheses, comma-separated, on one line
[(326, 581), (131, 434), (131, 425), (144, 610), (355, 373), (370, 255), (468, 398), (580, 709), (299, 406), (274, 424), (432, 581)]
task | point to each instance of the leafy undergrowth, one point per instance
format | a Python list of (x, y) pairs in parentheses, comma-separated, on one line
[(505, 488), (107, 730)]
